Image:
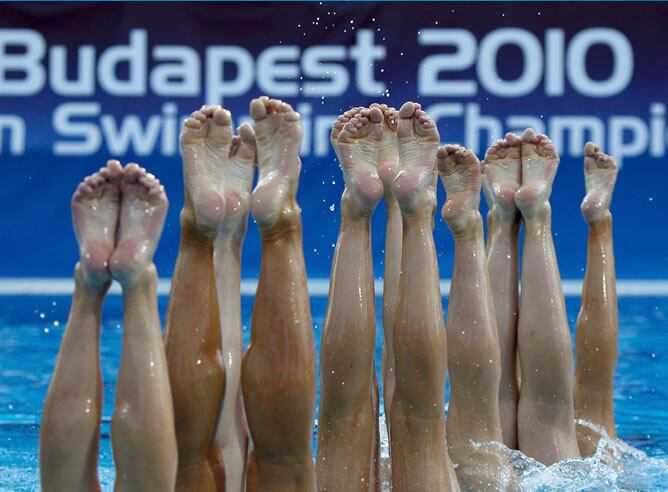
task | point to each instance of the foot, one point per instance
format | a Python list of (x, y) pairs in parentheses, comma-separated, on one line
[(95, 206), (415, 184), (600, 177), (388, 160), (502, 176), (278, 132), (218, 172), (358, 146), (540, 161), (459, 169), (142, 215)]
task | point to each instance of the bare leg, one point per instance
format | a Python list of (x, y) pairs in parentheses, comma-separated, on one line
[(545, 415), (142, 429), (596, 332), (70, 427), (503, 166), (347, 418), (278, 369), (233, 182), (420, 458), (192, 333), (388, 166), (473, 342)]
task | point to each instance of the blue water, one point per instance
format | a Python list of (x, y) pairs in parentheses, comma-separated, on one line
[(31, 329)]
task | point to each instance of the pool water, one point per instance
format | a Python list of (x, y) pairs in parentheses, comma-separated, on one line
[(31, 329)]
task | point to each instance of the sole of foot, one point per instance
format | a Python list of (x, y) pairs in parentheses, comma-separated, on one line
[(459, 169), (502, 169), (217, 170), (600, 176), (142, 216), (388, 160), (358, 146), (540, 161), (278, 133), (418, 139), (95, 206)]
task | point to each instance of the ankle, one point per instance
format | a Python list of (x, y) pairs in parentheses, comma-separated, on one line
[(536, 214), (191, 229), (286, 222), (468, 227), (141, 278), (598, 219), (506, 217), (353, 212), (89, 284)]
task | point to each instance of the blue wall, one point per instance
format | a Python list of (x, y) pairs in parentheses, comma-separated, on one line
[(496, 66)]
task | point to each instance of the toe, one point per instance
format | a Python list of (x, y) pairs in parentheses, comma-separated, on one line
[(442, 156), (199, 116), (221, 130), (258, 108), (513, 140), (406, 127), (349, 132), (591, 149), (234, 145), (209, 110), (132, 173), (247, 144), (114, 171), (407, 110), (529, 136), (376, 118), (292, 116)]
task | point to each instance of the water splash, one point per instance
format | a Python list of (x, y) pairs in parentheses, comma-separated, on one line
[(615, 466)]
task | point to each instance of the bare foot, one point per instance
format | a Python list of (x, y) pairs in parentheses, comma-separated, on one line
[(600, 177), (217, 170), (278, 132), (460, 173), (540, 161), (415, 184), (143, 209), (358, 149), (95, 205), (502, 176), (388, 160)]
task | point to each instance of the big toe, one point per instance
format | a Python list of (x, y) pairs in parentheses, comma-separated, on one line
[(259, 108), (221, 129)]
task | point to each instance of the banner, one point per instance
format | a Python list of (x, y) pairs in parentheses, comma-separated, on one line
[(82, 83)]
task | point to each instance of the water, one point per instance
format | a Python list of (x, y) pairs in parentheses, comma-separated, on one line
[(31, 329)]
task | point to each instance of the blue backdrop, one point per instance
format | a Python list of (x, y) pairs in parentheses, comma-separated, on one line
[(82, 83)]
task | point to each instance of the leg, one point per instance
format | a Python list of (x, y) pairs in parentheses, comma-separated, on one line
[(420, 458), (596, 330), (347, 418), (192, 333), (503, 167), (473, 341), (234, 183), (278, 369), (545, 415), (70, 427), (388, 166), (142, 430)]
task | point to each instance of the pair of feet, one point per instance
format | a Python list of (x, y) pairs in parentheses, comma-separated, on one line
[(518, 173), (118, 215), (383, 151), (517, 176), (218, 169)]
